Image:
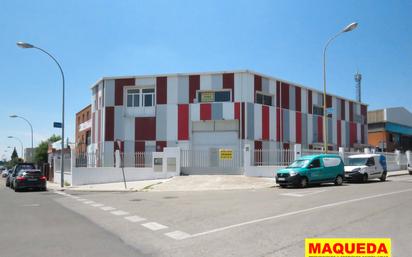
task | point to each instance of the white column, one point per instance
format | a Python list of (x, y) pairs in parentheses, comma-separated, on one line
[(297, 150)]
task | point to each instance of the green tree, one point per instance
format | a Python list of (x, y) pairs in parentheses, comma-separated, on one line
[(14, 154), (40, 153)]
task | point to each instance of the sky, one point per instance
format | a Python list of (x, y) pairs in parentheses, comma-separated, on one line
[(285, 39)]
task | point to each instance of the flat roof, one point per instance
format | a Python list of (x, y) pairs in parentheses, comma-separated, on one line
[(220, 72)]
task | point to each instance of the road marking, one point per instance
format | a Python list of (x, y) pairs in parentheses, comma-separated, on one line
[(81, 199), (97, 205), (301, 194), (178, 235), (107, 208), (298, 212), (31, 205), (88, 202), (134, 218), (154, 226), (119, 213)]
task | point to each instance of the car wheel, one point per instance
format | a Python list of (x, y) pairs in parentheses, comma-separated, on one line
[(410, 172), (365, 178), (339, 180), (383, 177), (303, 182), (283, 186)]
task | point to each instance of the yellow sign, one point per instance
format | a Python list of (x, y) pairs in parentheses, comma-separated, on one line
[(225, 154), (347, 247), (207, 97)]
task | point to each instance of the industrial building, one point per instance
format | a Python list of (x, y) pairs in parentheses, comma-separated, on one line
[(390, 129), (203, 111)]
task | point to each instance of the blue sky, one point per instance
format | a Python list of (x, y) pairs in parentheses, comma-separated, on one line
[(284, 39)]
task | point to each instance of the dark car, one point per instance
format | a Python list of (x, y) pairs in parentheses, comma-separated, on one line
[(25, 175), (8, 177), (29, 179)]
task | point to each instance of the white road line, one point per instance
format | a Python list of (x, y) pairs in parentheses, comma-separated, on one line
[(178, 235), (88, 202), (119, 213), (134, 218), (107, 208), (299, 212), (97, 205), (81, 199), (154, 226), (305, 193)]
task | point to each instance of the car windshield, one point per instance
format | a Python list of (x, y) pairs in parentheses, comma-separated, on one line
[(357, 161), (299, 164)]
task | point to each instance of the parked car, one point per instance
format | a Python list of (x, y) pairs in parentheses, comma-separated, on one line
[(410, 168), (15, 171), (313, 169), (8, 177), (363, 167), (5, 173), (29, 179)]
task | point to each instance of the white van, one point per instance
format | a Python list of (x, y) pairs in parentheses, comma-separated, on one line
[(362, 167)]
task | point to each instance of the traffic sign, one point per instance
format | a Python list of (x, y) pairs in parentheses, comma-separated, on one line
[(57, 124)]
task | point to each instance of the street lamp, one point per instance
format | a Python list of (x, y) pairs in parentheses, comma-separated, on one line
[(348, 28), (21, 144), (31, 129), (27, 45)]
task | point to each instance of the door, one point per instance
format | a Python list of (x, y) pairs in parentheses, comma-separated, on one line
[(373, 172), (316, 170)]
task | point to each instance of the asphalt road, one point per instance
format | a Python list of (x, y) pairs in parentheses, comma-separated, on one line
[(266, 222)]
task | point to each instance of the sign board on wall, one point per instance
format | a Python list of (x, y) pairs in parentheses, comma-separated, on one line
[(226, 154), (207, 97)]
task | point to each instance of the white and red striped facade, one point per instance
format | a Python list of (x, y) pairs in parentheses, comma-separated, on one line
[(172, 120)]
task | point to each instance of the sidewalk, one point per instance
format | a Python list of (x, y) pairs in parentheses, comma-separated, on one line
[(187, 183)]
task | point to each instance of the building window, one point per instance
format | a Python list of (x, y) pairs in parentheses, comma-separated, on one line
[(141, 97), (213, 96), (148, 95), (318, 110), (264, 99)]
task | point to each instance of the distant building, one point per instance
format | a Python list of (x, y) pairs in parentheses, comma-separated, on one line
[(203, 111), (390, 129), (83, 129)]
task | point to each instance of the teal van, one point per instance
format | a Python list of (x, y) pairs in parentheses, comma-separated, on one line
[(312, 169)]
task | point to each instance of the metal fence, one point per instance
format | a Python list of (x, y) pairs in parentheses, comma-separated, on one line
[(306, 152), (134, 160), (209, 159), (67, 163), (274, 157)]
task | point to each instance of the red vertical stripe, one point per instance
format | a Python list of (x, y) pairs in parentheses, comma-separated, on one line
[(352, 133), (362, 134), (205, 111), (278, 129), (194, 84), (118, 89), (145, 128), (328, 101), (139, 146), (298, 99), (229, 83), (99, 128), (277, 94), (339, 132), (109, 124), (258, 85), (285, 95), (310, 101), (161, 90), (160, 145), (237, 111), (258, 155), (364, 113), (265, 122), (320, 129), (299, 127), (350, 111), (183, 122), (93, 127)]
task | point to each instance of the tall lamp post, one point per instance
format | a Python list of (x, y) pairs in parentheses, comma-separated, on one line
[(31, 130), (27, 45), (348, 28), (21, 144)]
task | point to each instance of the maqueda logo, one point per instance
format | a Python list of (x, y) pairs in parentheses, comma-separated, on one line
[(347, 247)]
